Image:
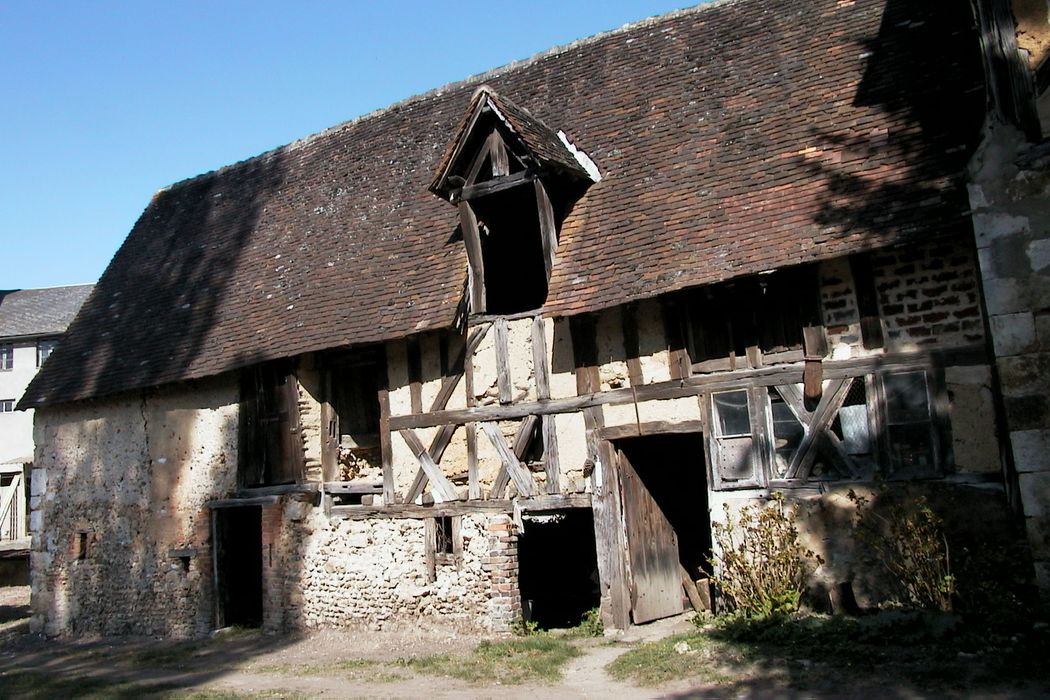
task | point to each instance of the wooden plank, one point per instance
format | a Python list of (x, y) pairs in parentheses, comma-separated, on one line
[(429, 540), (609, 533), (691, 591), (440, 486), (540, 370), (415, 511), (473, 483), (436, 451), (548, 228), (498, 154), (678, 360), (658, 427), (329, 433), (766, 376), (519, 475), (521, 444), (754, 356), (551, 463), (385, 445), (629, 321), (554, 502), (472, 242), (496, 184), (352, 487), (502, 346)]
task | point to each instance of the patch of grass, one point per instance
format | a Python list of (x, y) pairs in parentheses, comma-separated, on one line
[(364, 669), (512, 662), (33, 685), (690, 655)]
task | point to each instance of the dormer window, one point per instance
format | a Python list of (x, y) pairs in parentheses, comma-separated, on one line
[(513, 180)]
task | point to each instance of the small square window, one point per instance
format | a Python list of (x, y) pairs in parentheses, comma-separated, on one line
[(7, 356), (44, 348), (7, 405)]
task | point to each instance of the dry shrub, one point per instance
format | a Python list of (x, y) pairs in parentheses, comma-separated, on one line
[(760, 566)]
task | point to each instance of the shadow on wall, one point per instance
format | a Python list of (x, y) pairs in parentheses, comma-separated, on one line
[(924, 68), (167, 285)]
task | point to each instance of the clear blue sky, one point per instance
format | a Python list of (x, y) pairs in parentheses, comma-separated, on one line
[(104, 103)]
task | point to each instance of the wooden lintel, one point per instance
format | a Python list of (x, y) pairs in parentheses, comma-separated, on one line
[(502, 348), (352, 487), (691, 386), (561, 501), (521, 477), (439, 484), (412, 510), (496, 184), (660, 427)]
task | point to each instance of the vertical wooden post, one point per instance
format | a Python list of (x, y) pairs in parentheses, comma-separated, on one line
[(548, 229), (629, 321), (502, 347), (473, 484), (385, 444), (472, 241)]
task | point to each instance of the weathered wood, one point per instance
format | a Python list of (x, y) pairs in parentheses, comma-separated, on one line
[(829, 443), (824, 413), (436, 450), (452, 509), (502, 347), (473, 483), (691, 386), (430, 555), (521, 477), (754, 356), (554, 502), (548, 228), (352, 487), (631, 345), (609, 534), (498, 154), (652, 544), (539, 359), (472, 242), (385, 445), (329, 434), (691, 591), (521, 444), (496, 184), (439, 484), (658, 427), (551, 462)]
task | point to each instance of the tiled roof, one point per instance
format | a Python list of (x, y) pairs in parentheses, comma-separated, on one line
[(732, 138), (40, 312)]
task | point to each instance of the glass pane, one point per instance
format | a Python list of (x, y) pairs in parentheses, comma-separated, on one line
[(910, 450), (787, 433), (854, 423), (734, 459), (731, 413), (906, 399)]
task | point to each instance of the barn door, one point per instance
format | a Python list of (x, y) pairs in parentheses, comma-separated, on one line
[(652, 549)]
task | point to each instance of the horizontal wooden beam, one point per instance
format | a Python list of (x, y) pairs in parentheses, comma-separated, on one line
[(691, 386), (411, 510), (496, 184), (352, 487), (657, 427)]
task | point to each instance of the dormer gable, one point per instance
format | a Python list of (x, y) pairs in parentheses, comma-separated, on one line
[(514, 179)]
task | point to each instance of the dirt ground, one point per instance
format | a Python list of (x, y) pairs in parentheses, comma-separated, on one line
[(334, 664)]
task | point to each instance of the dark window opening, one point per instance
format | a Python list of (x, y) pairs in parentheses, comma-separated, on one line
[(512, 250), (443, 537), (271, 445), (355, 391), (558, 568), (909, 424), (768, 311), (44, 348), (733, 445), (82, 546)]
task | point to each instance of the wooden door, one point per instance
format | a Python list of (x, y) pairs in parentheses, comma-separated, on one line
[(652, 550)]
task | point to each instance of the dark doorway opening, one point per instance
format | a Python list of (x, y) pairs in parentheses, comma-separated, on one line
[(664, 490), (238, 565), (558, 567)]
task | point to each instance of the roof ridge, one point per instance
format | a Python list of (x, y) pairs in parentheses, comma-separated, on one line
[(477, 78)]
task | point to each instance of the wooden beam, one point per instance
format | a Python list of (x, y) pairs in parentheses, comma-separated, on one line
[(472, 242), (539, 359), (496, 184), (660, 427), (440, 486), (385, 444), (548, 228), (521, 444), (830, 403), (502, 347), (352, 487), (412, 510), (691, 386), (678, 360), (519, 475), (498, 155), (829, 443), (414, 356), (551, 463)]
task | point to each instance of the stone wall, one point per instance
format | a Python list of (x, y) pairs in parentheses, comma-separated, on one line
[(1010, 198), (118, 497)]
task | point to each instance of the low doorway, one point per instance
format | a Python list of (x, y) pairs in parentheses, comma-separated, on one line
[(238, 566), (558, 567), (663, 489)]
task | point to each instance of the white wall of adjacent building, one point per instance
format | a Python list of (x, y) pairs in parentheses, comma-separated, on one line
[(16, 427)]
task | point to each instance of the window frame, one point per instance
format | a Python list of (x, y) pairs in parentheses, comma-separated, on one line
[(7, 357), (51, 343), (8, 405)]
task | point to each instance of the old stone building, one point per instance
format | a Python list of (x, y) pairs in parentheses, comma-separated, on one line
[(505, 349)]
